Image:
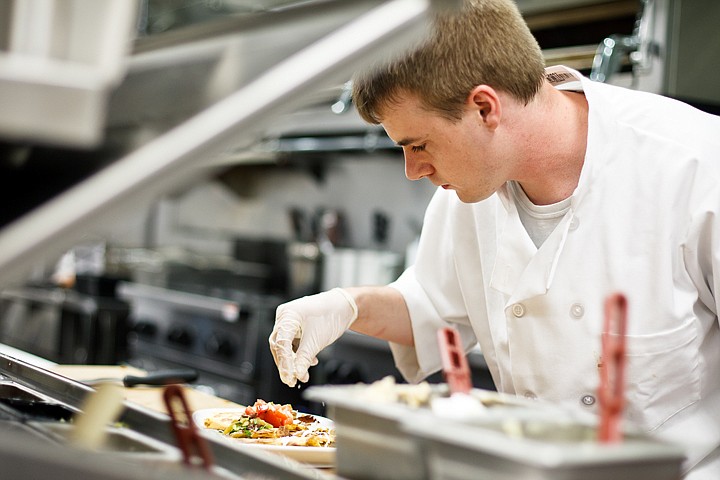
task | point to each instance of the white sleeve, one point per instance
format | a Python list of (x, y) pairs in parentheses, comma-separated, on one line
[(702, 249), (432, 294)]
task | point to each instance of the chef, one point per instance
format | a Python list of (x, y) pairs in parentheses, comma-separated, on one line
[(553, 192)]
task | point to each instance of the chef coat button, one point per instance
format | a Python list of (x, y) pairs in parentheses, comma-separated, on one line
[(577, 310), (530, 395), (518, 310), (588, 400), (574, 223)]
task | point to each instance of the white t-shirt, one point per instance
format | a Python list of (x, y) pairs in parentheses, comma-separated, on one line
[(539, 220)]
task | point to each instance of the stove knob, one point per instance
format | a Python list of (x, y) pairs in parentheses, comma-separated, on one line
[(180, 336), (221, 347), (145, 328)]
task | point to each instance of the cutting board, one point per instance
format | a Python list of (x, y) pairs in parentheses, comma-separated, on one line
[(148, 397)]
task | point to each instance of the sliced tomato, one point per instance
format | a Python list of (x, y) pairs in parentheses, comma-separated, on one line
[(277, 418), (275, 415), (259, 407)]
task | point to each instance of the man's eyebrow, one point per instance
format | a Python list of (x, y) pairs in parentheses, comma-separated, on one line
[(406, 141)]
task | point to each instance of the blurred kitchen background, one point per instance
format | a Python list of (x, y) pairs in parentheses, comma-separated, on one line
[(186, 270)]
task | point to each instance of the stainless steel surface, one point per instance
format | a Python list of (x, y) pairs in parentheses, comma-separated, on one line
[(609, 56), (304, 260), (227, 309), (63, 325), (204, 63), (538, 449), (176, 157), (118, 440), (67, 56), (382, 436), (372, 442), (673, 51), (142, 448), (26, 455), (693, 51), (612, 51), (219, 333)]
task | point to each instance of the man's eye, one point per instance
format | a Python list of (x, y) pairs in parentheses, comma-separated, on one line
[(417, 148)]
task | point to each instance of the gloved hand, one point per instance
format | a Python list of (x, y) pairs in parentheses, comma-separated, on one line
[(317, 321)]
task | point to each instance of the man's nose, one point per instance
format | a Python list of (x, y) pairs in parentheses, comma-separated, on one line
[(415, 169)]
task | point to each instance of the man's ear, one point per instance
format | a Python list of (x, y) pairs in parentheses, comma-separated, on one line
[(485, 100)]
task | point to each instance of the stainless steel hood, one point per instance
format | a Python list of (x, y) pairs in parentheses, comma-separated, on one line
[(190, 96), (58, 62)]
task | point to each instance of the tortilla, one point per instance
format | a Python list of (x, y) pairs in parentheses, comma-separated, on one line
[(304, 431)]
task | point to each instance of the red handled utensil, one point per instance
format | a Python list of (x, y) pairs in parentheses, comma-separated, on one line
[(189, 440), (611, 393), (454, 362)]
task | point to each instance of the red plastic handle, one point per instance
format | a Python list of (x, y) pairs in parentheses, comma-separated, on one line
[(612, 370), (185, 431), (454, 362)]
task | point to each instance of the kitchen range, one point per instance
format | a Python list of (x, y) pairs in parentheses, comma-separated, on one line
[(222, 337)]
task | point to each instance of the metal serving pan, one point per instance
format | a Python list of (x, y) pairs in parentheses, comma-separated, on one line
[(371, 439), (538, 449)]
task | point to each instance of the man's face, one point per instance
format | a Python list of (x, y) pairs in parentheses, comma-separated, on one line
[(458, 156)]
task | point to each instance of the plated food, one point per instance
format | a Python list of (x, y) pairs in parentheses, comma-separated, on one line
[(268, 423), (276, 428)]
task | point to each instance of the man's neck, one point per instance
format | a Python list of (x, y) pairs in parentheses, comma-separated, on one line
[(557, 132)]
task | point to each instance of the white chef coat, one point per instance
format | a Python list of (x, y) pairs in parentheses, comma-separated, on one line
[(644, 220)]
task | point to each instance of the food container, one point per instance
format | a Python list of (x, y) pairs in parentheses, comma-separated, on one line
[(371, 438), (538, 449)]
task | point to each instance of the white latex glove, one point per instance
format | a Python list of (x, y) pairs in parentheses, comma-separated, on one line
[(317, 321)]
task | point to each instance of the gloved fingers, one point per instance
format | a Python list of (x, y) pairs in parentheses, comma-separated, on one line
[(305, 377), (281, 346), (282, 338), (303, 361), (286, 368), (302, 373), (317, 320), (288, 379), (286, 329)]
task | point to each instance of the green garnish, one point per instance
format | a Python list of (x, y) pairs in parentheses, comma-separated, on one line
[(245, 426)]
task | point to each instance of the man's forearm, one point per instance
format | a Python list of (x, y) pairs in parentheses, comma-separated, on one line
[(382, 313)]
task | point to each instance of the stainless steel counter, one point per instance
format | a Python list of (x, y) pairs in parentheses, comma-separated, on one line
[(144, 448)]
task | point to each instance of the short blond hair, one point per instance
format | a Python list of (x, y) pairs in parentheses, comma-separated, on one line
[(483, 42)]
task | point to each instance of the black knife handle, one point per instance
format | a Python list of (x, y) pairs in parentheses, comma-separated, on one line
[(162, 377)]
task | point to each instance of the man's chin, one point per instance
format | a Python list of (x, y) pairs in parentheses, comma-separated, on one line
[(465, 198)]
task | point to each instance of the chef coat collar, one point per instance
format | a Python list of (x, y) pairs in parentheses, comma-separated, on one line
[(522, 270)]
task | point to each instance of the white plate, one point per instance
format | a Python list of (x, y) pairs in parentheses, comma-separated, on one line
[(315, 456)]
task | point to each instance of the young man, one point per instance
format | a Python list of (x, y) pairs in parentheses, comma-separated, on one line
[(554, 192)]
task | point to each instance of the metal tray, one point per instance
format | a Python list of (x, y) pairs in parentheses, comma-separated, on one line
[(536, 449), (371, 439)]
